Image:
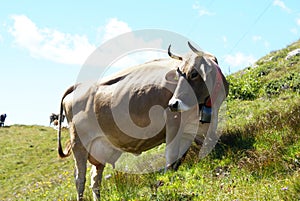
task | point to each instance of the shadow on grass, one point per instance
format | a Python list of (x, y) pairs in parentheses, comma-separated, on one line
[(4, 126), (233, 142), (237, 140)]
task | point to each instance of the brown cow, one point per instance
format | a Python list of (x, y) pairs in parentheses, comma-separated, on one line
[(138, 109)]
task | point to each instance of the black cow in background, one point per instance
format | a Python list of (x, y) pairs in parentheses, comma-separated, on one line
[(2, 119), (54, 118)]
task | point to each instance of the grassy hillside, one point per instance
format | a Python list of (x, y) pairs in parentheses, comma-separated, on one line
[(257, 157)]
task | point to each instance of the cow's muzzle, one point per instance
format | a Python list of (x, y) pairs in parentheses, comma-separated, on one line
[(176, 105)]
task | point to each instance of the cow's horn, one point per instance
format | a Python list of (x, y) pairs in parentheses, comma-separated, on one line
[(200, 53), (173, 55)]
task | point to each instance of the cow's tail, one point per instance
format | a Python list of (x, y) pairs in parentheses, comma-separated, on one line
[(67, 152)]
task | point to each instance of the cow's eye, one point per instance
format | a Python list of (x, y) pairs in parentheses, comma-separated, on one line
[(194, 75)]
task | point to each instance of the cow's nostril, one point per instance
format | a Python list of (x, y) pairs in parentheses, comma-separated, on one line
[(174, 106)]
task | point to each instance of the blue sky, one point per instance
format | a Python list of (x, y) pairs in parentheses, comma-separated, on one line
[(43, 44)]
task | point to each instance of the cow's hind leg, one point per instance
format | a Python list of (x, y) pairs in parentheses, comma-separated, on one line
[(96, 177), (80, 156)]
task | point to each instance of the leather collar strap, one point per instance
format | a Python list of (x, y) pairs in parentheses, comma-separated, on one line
[(219, 82)]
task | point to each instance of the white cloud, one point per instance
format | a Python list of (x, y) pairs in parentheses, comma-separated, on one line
[(54, 45), (49, 43), (201, 10), (225, 41), (115, 27), (298, 21), (267, 44), (256, 38), (135, 58), (1, 38), (294, 31), (282, 5), (239, 60), (260, 40)]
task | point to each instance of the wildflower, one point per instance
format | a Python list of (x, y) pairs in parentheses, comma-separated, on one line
[(107, 176)]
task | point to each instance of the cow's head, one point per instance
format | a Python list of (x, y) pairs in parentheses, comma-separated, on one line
[(198, 76), (200, 82)]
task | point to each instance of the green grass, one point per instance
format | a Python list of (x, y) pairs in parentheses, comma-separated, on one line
[(256, 158), (30, 168)]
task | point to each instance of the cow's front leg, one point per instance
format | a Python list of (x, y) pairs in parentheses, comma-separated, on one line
[(173, 136), (96, 177), (186, 140)]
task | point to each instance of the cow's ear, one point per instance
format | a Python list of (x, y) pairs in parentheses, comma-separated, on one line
[(212, 57), (172, 76), (215, 60)]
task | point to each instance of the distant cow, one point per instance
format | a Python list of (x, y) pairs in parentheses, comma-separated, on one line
[(54, 118), (2, 119), (138, 109)]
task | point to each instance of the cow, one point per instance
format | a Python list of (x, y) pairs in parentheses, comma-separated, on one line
[(138, 109), (2, 119), (54, 118)]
